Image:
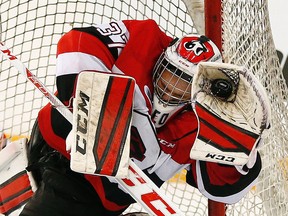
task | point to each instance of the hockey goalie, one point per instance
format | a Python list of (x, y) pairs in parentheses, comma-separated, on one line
[(179, 105)]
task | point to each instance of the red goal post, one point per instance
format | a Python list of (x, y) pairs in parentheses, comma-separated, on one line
[(213, 30), (241, 28)]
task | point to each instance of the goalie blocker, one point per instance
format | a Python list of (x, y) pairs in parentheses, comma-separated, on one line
[(233, 113), (101, 124)]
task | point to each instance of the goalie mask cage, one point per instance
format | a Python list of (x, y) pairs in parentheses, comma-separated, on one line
[(240, 27)]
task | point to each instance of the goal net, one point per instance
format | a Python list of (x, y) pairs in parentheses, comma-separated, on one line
[(240, 27)]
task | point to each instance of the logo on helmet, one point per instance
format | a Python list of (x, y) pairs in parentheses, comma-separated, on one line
[(195, 49)]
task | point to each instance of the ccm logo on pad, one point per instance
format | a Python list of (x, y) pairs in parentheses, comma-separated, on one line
[(82, 124), (220, 157)]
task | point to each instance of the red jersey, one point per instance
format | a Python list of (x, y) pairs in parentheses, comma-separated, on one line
[(132, 47)]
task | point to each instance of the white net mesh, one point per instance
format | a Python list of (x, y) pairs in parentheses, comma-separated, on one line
[(247, 40), (33, 28)]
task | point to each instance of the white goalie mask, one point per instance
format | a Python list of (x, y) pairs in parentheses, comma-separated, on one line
[(174, 71)]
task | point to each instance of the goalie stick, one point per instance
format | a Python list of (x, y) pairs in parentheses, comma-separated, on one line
[(139, 186)]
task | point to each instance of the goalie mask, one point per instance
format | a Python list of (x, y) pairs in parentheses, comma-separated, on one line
[(174, 71)]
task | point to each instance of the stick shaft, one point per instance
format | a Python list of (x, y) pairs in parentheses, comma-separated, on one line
[(36, 82)]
